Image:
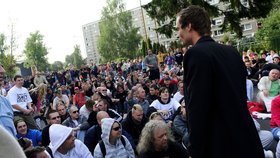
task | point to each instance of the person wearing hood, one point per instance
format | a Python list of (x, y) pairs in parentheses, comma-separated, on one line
[(64, 144), (115, 144), (165, 105)]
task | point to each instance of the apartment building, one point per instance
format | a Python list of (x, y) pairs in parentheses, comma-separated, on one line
[(91, 30)]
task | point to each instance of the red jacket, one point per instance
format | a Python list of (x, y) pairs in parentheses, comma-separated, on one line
[(275, 112), (80, 99), (255, 106)]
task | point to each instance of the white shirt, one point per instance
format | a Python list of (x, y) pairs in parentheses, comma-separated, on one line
[(172, 106), (3, 91), (64, 98), (79, 151), (84, 111), (19, 96), (178, 96), (250, 90)]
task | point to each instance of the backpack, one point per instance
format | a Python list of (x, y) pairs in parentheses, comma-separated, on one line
[(102, 145)]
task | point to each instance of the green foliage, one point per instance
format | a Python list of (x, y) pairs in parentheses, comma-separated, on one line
[(269, 34), (36, 52), (3, 47), (118, 38), (56, 66), (75, 59), (7, 60), (9, 64), (144, 47), (162, 11)]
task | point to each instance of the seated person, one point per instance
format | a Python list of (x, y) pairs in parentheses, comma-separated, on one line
[(135, 122), (103, 105), (113, 143), (250, 90), (77, 122), (157, 141), (167, 82), (180, 125), (93, 134), (64, 144), (62, 110), (180, 94), (269, 88), (266, 139), (37, 152), (165, 105), (23, 132)]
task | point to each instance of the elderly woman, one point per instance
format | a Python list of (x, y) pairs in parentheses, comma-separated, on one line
[(23, 132)]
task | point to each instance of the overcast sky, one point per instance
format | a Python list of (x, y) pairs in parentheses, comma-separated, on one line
[(60, 21)]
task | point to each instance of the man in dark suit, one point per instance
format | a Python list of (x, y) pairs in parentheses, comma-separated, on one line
[(220, 125)]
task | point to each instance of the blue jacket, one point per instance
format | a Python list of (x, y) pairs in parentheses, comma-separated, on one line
[(34, 135), (7, 115)]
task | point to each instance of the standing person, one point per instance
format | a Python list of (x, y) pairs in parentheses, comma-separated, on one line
[(178, 56), (21, 101), (151, 61), (215, 83)]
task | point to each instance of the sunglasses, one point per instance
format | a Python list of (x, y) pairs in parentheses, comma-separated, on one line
[(74, 112), (116, 128), (57, 117)]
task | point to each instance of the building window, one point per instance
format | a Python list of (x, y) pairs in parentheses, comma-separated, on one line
[(247, 27), (212, 2), (244, 3), (218, 33), (217, 22)]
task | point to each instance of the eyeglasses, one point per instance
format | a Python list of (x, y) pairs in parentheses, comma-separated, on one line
[(54, 118), (74, 112), (116, 128)]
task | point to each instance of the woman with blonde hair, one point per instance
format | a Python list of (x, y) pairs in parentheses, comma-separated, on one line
[(38, 96), (156, 140)]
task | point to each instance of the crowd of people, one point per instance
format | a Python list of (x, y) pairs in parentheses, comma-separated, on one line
[(114, 109), (148, 108)]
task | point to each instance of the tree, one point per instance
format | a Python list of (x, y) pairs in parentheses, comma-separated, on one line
[(75, 59), (3, 46), (118, 38), (164, 12), (56, 66), (36, 52), (269, 33), (9, 64), (7, 60)]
